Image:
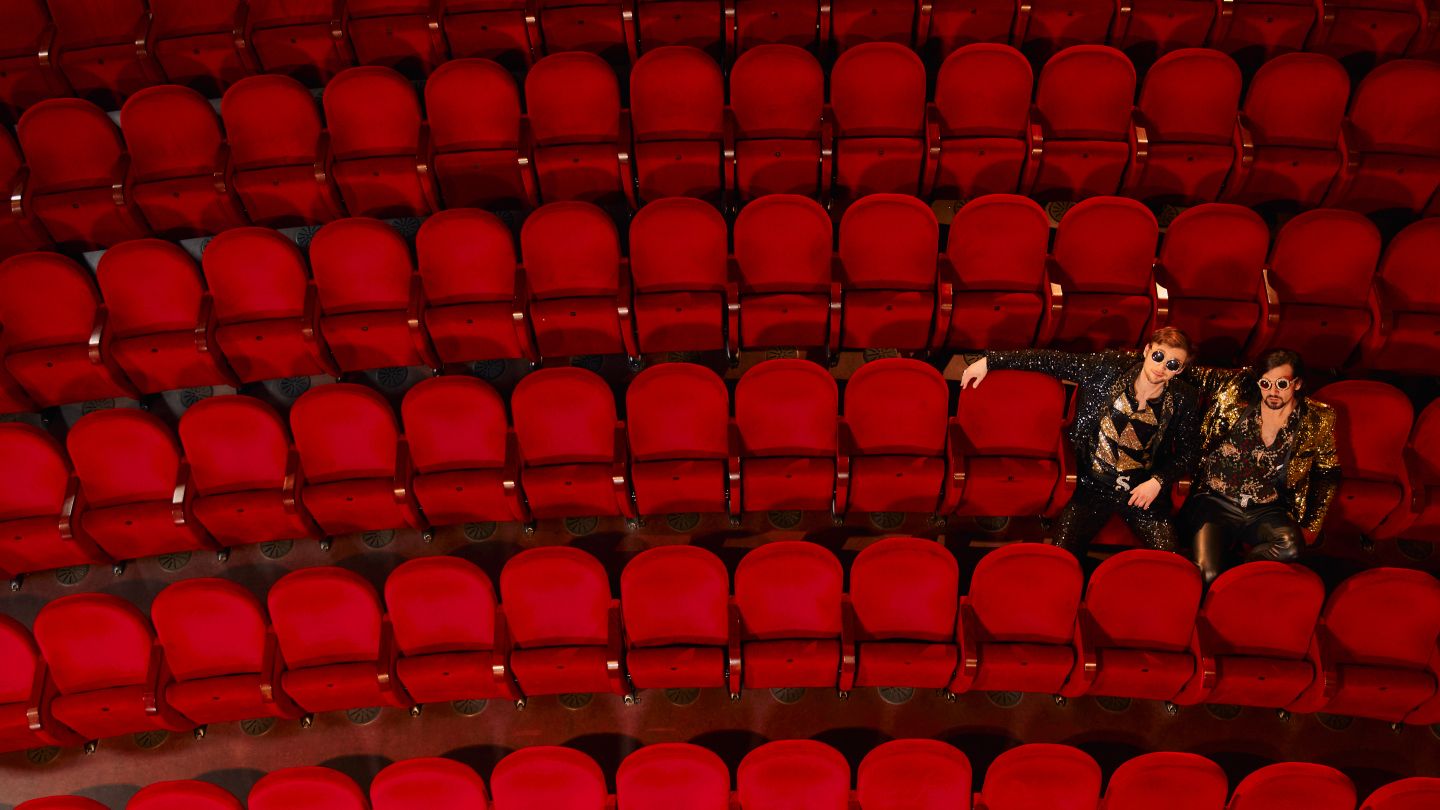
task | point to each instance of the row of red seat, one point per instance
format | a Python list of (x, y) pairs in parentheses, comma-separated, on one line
[(903, 774), (110, 50), (176, 174), (97, 667)]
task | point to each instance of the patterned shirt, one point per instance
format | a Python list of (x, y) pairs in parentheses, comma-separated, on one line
[(1243, 468), (1123, 448)]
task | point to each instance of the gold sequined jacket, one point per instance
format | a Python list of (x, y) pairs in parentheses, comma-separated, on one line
[(1312, 473)]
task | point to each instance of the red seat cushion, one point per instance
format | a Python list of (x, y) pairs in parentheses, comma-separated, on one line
[(444, 677), (1253, 681), (1384, 693), (774, 664), (676, 667), (665, 487), (220, 700), (381, 187), (167, 361), (576, 326), (1145, 674), (34, 544), (467, 332), (560, 670), (268, 350), (253, 516), (896, 483), (784, 319), (61, 374), (366, 340), (882, 319), (1003, 487), (337, 686), (570, 490), (283, 196), (357, 506), (463, 496), (1023, 667), (788, 483), (788, 166), (109, 713), (680, 321), (902, 663), (140, 530)]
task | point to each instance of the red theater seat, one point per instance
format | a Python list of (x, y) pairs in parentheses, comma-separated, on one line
[(563, 622), (39, 496), (1363, 33), (248, 482), (179, 163), (1422, 459), (788, 593), (27, 73), (1392, 140), (139, 495), (902, 774), (604, 27), (382, 153), (894, 435), (281, 153), (1187, 106), (1408, 337), (61, 803), (26, 694), (466, 461), (783, 142), (548, 776), (1137, 625), (425, 783), (400, 34), (572, 446), (982, 110), (1038, 775), (20, 231), (80, 183), (1210, 266), (108, 668), (677, 621), (481, 156), (357, 469), (1051, 25), (579, 291), (449, 631), (475, 297), (670, 775), (317, 788), (1167, 779), (888, 247), (703, 24), (1083, 104), (904, 591), (682, 290), (104, 49), (783, 22), (1377, 636), (202, 45), (1414, 793), (1154, 27), (785, 413), (1259, 30), (1003, 295), (494, 29), (1372, 425), (221, 651), (680, 449), (677, 96), (1293, 786), (303, 38), (1104, 260), (877, 93), (783, 252), (187, 794), (955, 23), (794, 773), (266, 310), (856, 22), (339, 651), (582, 138), (1017, 624), (370, 296)]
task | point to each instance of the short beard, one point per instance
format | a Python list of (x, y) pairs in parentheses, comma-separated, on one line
[(1273, 407)]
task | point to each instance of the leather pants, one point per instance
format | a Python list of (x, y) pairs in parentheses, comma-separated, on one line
[(1266, 530)]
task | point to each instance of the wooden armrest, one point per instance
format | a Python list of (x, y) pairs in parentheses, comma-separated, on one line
[(624, 312), (511, 483), (954, 485), (385, 662), (323, 158), (614, 651), (156, 676), (1034, 151), (833, 319), (1087, 661), (932, 152), (499, 659), (97, 340), (424, 163), (415, 322), (1052, 296), (525, 163), (271, 665), (69, 507), (967, 664), (629, 183), (620, 473), (847, 644), (734, 646), (404, 472), (180, 498), (289, 490), (35, 704), (827, 154), (733, 493), (1327, 677), (1067, 477)]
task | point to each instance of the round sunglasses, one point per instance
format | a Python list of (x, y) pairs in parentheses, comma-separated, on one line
[(1170, 365), (1282, 384)]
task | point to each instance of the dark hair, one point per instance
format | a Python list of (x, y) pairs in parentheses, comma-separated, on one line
[(1275, 358), (1172, 337)]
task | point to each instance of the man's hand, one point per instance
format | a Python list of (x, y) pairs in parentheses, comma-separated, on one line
[(1144, 495), (974, 373)]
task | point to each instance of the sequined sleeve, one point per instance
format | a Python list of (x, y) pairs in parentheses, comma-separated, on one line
[(1060, 365), (1182, 442), (1324, 474), (1208, 379)]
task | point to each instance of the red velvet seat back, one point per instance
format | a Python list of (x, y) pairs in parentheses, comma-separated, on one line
[(905, 588), (171, 131), (1015, 413), (1384, 617), (454, 423), (677, 411), (1027, 593), (124, 456), (465, 255), (371, 111), (888, 242), (677, 93), (564, 416), (344, 431), (669, 775), (315, 788), (1086, 93), (570, 249), (234, 444), (324, 616), (255, 274), (902, 774), (1144, 599), (786, 407), (22, 658), (1294, 786), (984, 90), (897, 406), (675, 595), (1042, 776), (188, 794), (1167, 779), (1216, 250), (789, 589), (360, 264), (573, 98), (426, 783), (94, 641), (1297, 99), (210, 628), (441, 604), (678, 244), (35, 476), (548, 776), (556, 597), (1106, 244), (1325, 257), (878, 90), (270, 121), (794, 773), (999, 242), (1372, 425), (150, 286), (783, 243), (472, 104), (1288, 596), (46, 300), (1191, 96)]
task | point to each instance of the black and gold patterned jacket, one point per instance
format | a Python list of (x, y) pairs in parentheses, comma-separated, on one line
[(1312, 473), (1099, 379)]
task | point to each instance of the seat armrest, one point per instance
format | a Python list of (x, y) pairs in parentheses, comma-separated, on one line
[(324, 160), (847, 644), (1066, 477), (99, 339), (1327, 676), (728, 28), (627, 29), (37, 706), (827, 154), (614, 652), (1349, 167), (181, 497), (734, 658), (500, 658), (924, 14), (310, 331), (290, 488), (733, 492), (532, 29), (954, 487), (511, 481), (1087, 660), (525, 164), (731, 323), (19, 193), (1203, 678), (1120, 22), (628, 181), (46, 54), (1428, 713), (1034, 152), (404, 473), (967, 664), (69, 507), (1022, 21), (425, 168), (1244, 142), (944, 310), (157, 677), (620, 473), (415, 322), (271, 666), (624, 312), (932, 152), (1269, 319), (833, 320), (840, 492), (1052, 309), (1319, 32), (1153, 290), (385, 662), (1139, 138), (729, 198)]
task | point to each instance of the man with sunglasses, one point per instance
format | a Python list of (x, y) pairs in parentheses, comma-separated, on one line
[(1134, 434), (1268, 468)]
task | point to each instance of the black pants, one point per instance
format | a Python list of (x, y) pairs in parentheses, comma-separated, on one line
[(1219, 527), (1092, 506)]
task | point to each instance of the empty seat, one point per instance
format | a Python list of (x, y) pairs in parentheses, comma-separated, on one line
[(1010, 452), (102, 654), (788, 294), (1017, 624), (677, 623), (680, 450), (888, 271), (1408, 338), (139, 498), (1049, 26), (855, 22), (1003, 295), (38, 498), (894, 436), (78, 179), (1042, 775), (700, 24), (466, 462), (104, 48), (179, 163), (548, 776), (61, 803), (221, 652), (1293, 112), (1392, 140), (668, 775), (1422, 457), (1414, 793), (266, 310), (1322, 267), (427, 782), (448, 630), (677, 96), (1138, 622), (202, 45), (1378, 634), (903, 774), (248, 482), (1187, 106), (792, 635), (782, 140), (400, 34), (982, 110), (1211, 266), (493, 29), (480, 157), (877, 93), (27, 74), (1292, 786), (474, 294), (679, 266), (303, 38), (187, 794), (1363, 33), (319, 788), (785, 413), (579, 294), (338, 651), (20, 230), (382, 160), (1167, 779), (26, 694), (1156, 27), (281, 153), (904, 591), (571, 445), (793, 773), (582, 139), (161, 318), (369, 294), (1259, 30), (357, 471), (1083, 104), (955, 23), (783, 22), (1372, 425), (1274, 663), (1104, 261), (604, 27), (564, 624)]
